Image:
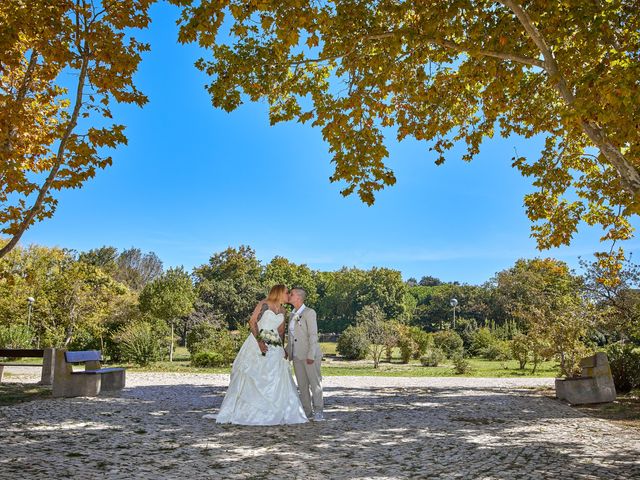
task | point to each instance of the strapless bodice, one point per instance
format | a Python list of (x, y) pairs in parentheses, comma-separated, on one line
[(270, 320)]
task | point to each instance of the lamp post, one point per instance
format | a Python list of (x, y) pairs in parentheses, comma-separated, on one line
[(454, 304), (30, 301)]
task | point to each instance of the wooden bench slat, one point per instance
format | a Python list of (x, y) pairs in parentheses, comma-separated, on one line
[(15, 353), (78, 357), (10, 364)]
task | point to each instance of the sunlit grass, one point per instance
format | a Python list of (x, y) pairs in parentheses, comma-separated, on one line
[(335, 366)]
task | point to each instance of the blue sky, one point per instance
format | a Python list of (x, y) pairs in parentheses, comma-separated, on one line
[(194, 180)]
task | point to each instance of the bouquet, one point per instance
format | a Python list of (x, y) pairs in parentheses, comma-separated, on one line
[(270, 338)]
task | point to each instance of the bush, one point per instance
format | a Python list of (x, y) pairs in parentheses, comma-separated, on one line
[(460, 364), (142, 342), (15, 337), (498, 350), (449, 342), (407, 346), (208, 359), (481, 339), (432, 357), (624, 360), (209, 338), (83, 339), (521, 349), (421, 341), (353, 343)]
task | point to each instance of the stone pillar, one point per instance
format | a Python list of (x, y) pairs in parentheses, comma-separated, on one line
[(48, 366)]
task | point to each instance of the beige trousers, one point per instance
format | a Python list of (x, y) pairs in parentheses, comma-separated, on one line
[(309, 381)]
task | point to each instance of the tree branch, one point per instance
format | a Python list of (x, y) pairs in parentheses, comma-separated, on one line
[(629, 175), (26, 80), (21, 95), (534, 62), (44, 190)]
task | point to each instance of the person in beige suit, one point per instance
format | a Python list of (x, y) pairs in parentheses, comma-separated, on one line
[(304, 350)]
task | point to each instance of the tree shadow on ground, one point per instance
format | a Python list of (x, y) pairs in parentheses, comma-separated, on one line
[(370, 432)]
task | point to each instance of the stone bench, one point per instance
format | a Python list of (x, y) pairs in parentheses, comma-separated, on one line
[(46, 354), (91, 381), (594, 385)]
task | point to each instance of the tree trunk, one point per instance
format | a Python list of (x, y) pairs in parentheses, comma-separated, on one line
[(171, 347), (44, 190)]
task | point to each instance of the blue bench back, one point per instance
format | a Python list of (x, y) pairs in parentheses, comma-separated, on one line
[(79, 357)]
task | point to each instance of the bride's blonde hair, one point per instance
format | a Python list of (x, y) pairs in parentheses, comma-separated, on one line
[(276, 293)]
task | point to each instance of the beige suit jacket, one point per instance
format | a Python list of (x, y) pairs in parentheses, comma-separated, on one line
[(304, 339)]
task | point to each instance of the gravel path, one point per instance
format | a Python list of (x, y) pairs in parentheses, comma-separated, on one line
[(377, 427)]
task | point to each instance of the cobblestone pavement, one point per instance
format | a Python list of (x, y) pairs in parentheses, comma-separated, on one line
[(378, 428)]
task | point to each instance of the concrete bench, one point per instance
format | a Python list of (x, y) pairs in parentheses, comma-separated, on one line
[(46, 354), (594, 385), (91, 381)]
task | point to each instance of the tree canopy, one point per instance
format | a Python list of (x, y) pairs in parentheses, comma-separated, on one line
[(445, 73), (53, 135)]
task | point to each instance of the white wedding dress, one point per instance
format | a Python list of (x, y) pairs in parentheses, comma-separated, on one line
[(261, 390)]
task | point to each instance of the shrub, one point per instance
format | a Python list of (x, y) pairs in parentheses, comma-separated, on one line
[(15, 336), (520, 349), (199, 336), (481, 339), (353, 343), (497, 350), (624, 360), (449, 342), (421, 341), (84, 339), (432, 357), (460, 364), (142, 342), (208, 338), (407, 346), (208, 359)]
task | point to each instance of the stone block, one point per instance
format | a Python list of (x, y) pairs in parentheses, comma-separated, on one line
[(595, 385)]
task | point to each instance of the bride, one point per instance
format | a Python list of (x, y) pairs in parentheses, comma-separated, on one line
[(261, 390)]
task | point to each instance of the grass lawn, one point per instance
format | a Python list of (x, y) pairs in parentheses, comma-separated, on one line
[(479, 368), (335, 366)]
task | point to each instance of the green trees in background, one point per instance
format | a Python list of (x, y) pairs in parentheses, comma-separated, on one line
[(342, 294), (283, 271), (548, 301), (168, 298), (125, 304), (230, 284), (74, 301)]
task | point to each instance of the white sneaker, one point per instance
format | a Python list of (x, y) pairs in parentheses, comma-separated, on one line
[(318, 417)]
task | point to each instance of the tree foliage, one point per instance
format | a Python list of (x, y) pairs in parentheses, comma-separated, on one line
[(618, 303), (53, 135), (548, 300), (445, 73), (283, 271), (74, 301), (169, 297), (230, 284), (345, 292)]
